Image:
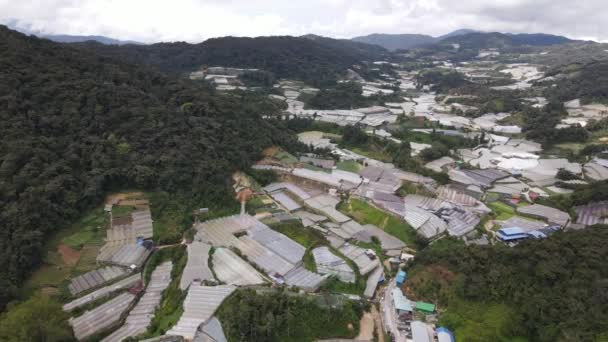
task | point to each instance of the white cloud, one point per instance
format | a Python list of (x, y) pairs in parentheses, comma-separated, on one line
[(196, 20)]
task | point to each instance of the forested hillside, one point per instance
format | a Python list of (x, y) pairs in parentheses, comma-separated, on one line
[(317, 61), (74, 126), (589, 82), (553, 289)]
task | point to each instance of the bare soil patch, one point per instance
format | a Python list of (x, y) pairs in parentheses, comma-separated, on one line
[(366, 328), (70, 256)]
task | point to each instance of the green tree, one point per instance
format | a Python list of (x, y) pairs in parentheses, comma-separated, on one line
[(39, 319)]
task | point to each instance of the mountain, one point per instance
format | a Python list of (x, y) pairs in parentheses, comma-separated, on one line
[(538, 39), (396, 41), (364, 50), (64, 38), (316, 61), (75, 126), (487, 40), (460, 32), (467, 37)]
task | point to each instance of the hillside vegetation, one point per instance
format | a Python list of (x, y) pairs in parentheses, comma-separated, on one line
[(75, 126), (316, 60), (554, 289)]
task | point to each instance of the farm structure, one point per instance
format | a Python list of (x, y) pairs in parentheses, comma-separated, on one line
[(141, 315)]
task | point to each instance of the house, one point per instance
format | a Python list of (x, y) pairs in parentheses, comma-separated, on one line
[(402, 304)]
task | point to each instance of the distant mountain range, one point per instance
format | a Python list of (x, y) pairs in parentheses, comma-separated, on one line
[(466, 37), (66, 38), (406, 41)]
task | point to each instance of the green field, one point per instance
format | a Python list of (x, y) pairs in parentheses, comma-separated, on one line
[(286, 157), (364, 213), (349, 165), (122, 210), (374, 154), (84, 237), (501, 210)]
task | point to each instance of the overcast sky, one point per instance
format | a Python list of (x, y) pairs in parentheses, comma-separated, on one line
[(196, 20)]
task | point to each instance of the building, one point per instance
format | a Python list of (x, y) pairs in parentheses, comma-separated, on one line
[(444, 335), (403, 306), (420, 332), (401, 276), (426, 308), (512, 234)]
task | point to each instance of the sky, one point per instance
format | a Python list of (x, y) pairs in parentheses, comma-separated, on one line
[(193, 21)]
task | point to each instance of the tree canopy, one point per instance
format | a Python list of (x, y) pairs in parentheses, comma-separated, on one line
[(75, 126)]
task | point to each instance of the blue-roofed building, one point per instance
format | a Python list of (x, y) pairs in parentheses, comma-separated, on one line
[(401, 276), (402, 304), (512, 234), (444, 335)]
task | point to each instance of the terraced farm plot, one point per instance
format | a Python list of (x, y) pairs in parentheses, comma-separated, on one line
[(364, 213)]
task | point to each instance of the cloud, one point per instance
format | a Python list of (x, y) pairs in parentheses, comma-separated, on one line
[(196, 20)]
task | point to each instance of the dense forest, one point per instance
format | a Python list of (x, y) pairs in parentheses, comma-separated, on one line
[(75, 126), (589, 82), (282, 317), (554, 289), (317, 61)]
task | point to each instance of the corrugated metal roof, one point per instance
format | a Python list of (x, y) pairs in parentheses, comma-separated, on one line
[(233, 270), (329, 263), (400, 301), (197, 266), (142, 314), (104, 291), (420, 332), (102, 317), (552, 215), (95, 278), (200, 304), (592, 213), (372, 281), (285, 201), (211, 331)]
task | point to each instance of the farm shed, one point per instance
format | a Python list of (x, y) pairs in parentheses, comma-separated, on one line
[(95, 278), (360, 258), (329, 263), (233, 270), (102, 292), (200, 305), (102, 317), (592, 213), (285, 201), (552, 215), (142, 314), (197, 267), (278, 243), (326, 204), (527, 225), (373, 280), (211, 331), (304, 279)]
